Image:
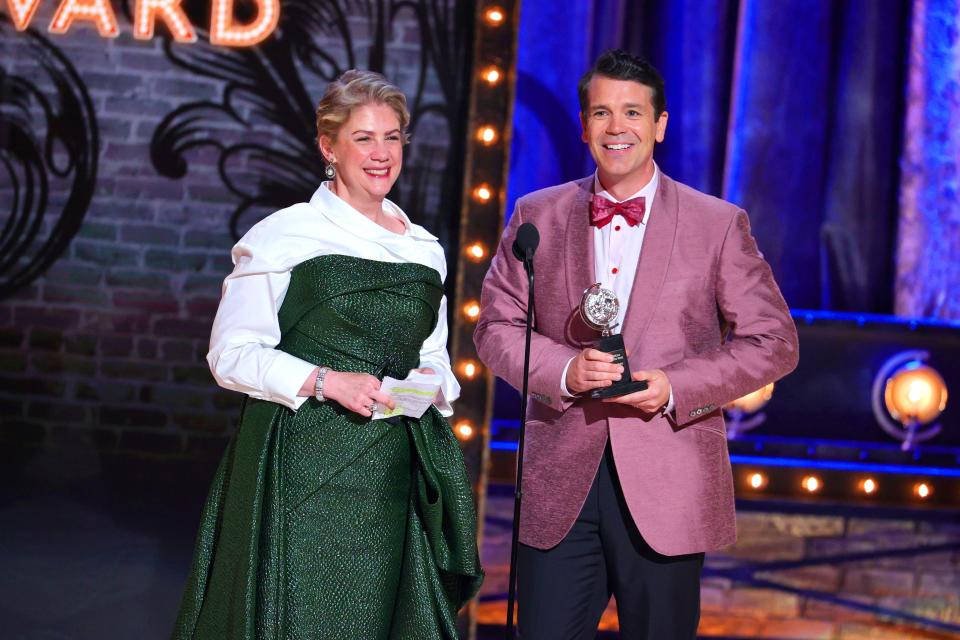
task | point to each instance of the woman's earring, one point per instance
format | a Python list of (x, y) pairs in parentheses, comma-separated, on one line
[(330, 171)]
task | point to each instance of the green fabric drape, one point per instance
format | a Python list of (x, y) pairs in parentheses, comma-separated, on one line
[(324, 524)]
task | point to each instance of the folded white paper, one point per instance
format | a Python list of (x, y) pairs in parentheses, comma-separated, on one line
[(412, 396)]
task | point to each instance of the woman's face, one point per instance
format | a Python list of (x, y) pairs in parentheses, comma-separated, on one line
[(368, 152)]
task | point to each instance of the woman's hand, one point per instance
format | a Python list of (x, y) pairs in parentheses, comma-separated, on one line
[(355, 391)]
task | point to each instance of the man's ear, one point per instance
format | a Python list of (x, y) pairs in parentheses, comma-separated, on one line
[(662, 126), (583, 128)]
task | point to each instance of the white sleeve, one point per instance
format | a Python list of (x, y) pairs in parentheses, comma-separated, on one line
[(433, 354), (246, 330)]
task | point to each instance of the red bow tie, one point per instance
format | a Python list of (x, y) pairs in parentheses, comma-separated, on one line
[(603, 210)]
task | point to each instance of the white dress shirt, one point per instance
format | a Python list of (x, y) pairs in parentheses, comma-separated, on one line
[(616, 255), (246, 329)]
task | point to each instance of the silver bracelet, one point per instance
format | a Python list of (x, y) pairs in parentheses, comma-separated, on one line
[(318, 385)]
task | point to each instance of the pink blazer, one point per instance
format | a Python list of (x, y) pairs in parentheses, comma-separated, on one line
[(704, 308)]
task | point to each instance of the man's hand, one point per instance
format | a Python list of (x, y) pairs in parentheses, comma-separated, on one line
[(592, 369), (651, 399)]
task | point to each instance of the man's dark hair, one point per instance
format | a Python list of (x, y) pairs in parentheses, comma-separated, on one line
[(618, 64)]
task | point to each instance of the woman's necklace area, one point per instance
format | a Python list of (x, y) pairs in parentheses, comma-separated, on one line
[(376, 218)]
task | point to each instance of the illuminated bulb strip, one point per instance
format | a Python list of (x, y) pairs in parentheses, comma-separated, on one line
[(170, 12), (21, 11), (471, 310), (96, 11), (224, 32)]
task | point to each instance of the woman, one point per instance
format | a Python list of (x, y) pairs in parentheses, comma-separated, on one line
[(323, 523)]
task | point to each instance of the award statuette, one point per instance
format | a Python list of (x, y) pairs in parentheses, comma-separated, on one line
[(599, 308)]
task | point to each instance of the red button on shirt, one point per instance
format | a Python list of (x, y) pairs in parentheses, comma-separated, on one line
[(614, 270), (616, 228)]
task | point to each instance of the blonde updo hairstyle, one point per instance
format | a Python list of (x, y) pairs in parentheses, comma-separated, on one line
[(355, 88)]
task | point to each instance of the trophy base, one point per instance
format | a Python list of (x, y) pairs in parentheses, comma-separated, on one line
[(617, 389), (626, 384)]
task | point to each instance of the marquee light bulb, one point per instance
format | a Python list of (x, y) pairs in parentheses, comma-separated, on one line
[(811, 484), (170, 12), (494, 16), (98, 12), (487, 135), (224, 32), (476, 251), (21, 12)]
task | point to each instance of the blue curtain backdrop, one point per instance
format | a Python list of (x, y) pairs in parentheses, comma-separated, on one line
[(792, 109)]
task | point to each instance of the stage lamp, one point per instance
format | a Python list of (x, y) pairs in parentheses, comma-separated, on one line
[(923, 490), (464, 429), (491, 75), (811, 484), (476, 251), (483, 192), (487, 135), (913, 394), (738, 410), (869, 486), (469, 369), (471, 309), (757, 480), (494, 16)]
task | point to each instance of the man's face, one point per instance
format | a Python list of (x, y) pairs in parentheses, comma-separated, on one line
[(620, 129)]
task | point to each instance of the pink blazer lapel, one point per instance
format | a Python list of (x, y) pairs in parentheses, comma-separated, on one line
[(578, 243), (658, 243)]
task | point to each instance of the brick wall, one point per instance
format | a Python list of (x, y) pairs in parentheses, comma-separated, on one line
[(107, 347)]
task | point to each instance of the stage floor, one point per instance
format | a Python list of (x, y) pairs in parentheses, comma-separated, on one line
[(97, 547)]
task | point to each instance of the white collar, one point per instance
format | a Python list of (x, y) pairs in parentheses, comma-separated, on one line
[(338, 212)]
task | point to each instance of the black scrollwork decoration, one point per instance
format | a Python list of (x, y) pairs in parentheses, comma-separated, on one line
[(267, 84), (49, 147)]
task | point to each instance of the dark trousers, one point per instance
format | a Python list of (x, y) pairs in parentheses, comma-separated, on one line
[(563, 591)]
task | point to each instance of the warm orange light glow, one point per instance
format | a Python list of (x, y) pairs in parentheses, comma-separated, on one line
[(754, 400), (223, 31), (916, 394), (487, 135), (469, 369), (21, 12), (922, 490), (869, 486), (757, 480), (169, 11), (494, 16), (98, 12), (492, 75), (483, 193), (471, 309), (476, 251), (464, 429), (811, 484)]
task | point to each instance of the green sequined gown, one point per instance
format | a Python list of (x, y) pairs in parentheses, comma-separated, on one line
[(323, 524)]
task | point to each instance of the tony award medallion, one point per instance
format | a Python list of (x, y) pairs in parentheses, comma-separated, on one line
[(599, 308)]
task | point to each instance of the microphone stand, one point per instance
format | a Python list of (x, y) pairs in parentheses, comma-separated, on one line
[(518, 494)]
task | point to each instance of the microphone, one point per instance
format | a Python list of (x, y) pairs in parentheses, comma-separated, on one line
[(526, 243), (524, 246)]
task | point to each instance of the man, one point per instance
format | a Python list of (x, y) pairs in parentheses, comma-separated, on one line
[(625, 495)]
